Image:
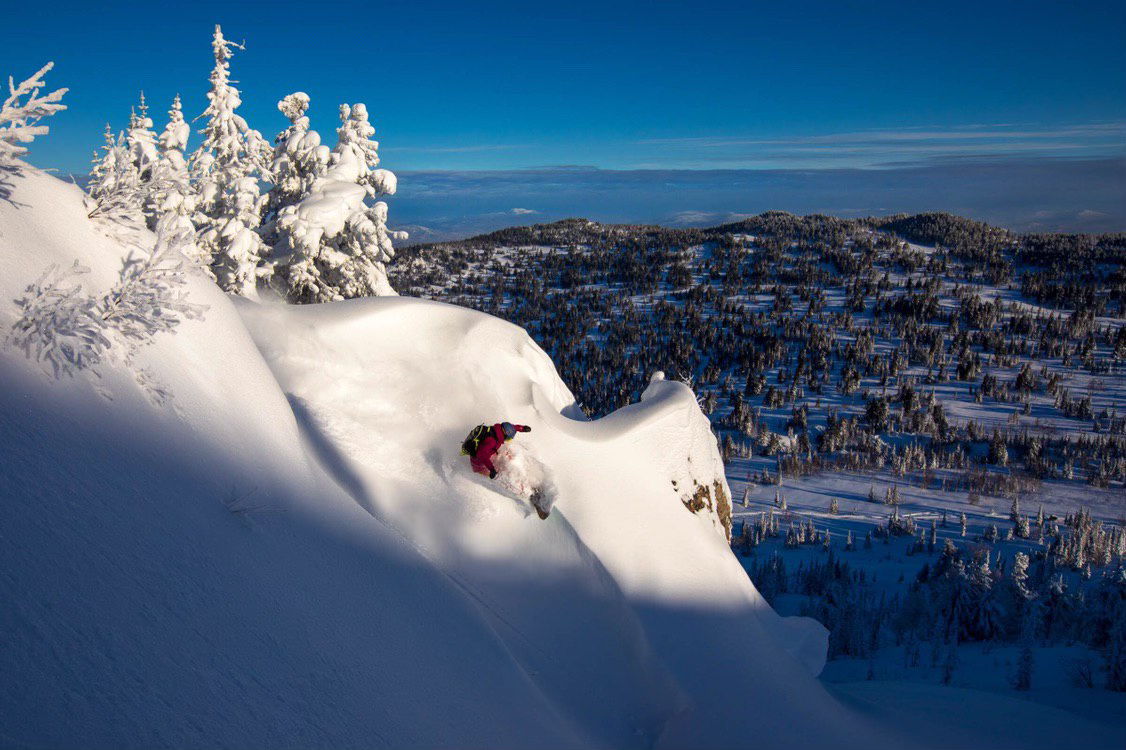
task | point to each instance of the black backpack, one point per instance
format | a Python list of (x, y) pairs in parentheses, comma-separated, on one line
[(476, 435)]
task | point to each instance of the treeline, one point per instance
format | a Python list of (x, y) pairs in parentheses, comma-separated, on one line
[(1070, 589)]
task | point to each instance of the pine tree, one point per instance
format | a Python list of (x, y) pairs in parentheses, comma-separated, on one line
[(998, 450), (299, 160), (1019, 573), (877, 413), (114, 188), (1022, 528), (226, 169), (103, 166), (173, 199), (333, 245), (142, 141), (962, 522), (984, 617)]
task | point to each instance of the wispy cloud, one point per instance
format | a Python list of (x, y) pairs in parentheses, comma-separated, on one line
[(460, 149), (965, 133), (897, 147)]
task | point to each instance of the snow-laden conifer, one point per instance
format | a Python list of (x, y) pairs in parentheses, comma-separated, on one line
[(333, 245), (174, 138), (299, 157), (232, 243), (116, 194), (101, 165), (142, 141), (226, 169), (173, 199)]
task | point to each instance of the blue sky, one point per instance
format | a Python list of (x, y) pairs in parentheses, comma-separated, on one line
[(617, 86)]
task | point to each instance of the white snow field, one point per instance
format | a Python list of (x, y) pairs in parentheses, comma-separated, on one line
[(291, 552)]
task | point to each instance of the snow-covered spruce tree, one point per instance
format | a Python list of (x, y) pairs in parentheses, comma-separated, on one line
[(101, 164), (174, 141), (172, 202), (232, 242), (333, 245), (299, 160), (115, 193), (170, 167), (142, 141), (226, 169)]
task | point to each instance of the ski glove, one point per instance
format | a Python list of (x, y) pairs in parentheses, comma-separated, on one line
[(492, 473), (524, 428)]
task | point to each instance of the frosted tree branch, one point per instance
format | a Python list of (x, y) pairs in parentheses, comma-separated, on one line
[(150, 296), (59, 324), (18, 117), (72, 331)]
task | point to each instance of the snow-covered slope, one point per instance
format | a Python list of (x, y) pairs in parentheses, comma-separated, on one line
[(292, 552)]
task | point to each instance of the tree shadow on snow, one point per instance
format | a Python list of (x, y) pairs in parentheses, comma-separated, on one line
[(7, 186)]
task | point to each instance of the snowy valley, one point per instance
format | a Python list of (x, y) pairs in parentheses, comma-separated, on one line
[(921, 420)]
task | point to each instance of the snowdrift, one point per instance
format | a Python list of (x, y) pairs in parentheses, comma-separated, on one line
[(291, 552)]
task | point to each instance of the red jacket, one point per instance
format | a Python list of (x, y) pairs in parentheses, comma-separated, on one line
[(482, 460)]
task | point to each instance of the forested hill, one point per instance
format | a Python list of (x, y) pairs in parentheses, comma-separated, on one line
[(913, 366), (828, 333), (961, 236)]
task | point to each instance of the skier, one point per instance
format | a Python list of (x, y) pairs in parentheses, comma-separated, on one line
[(484, 442)]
